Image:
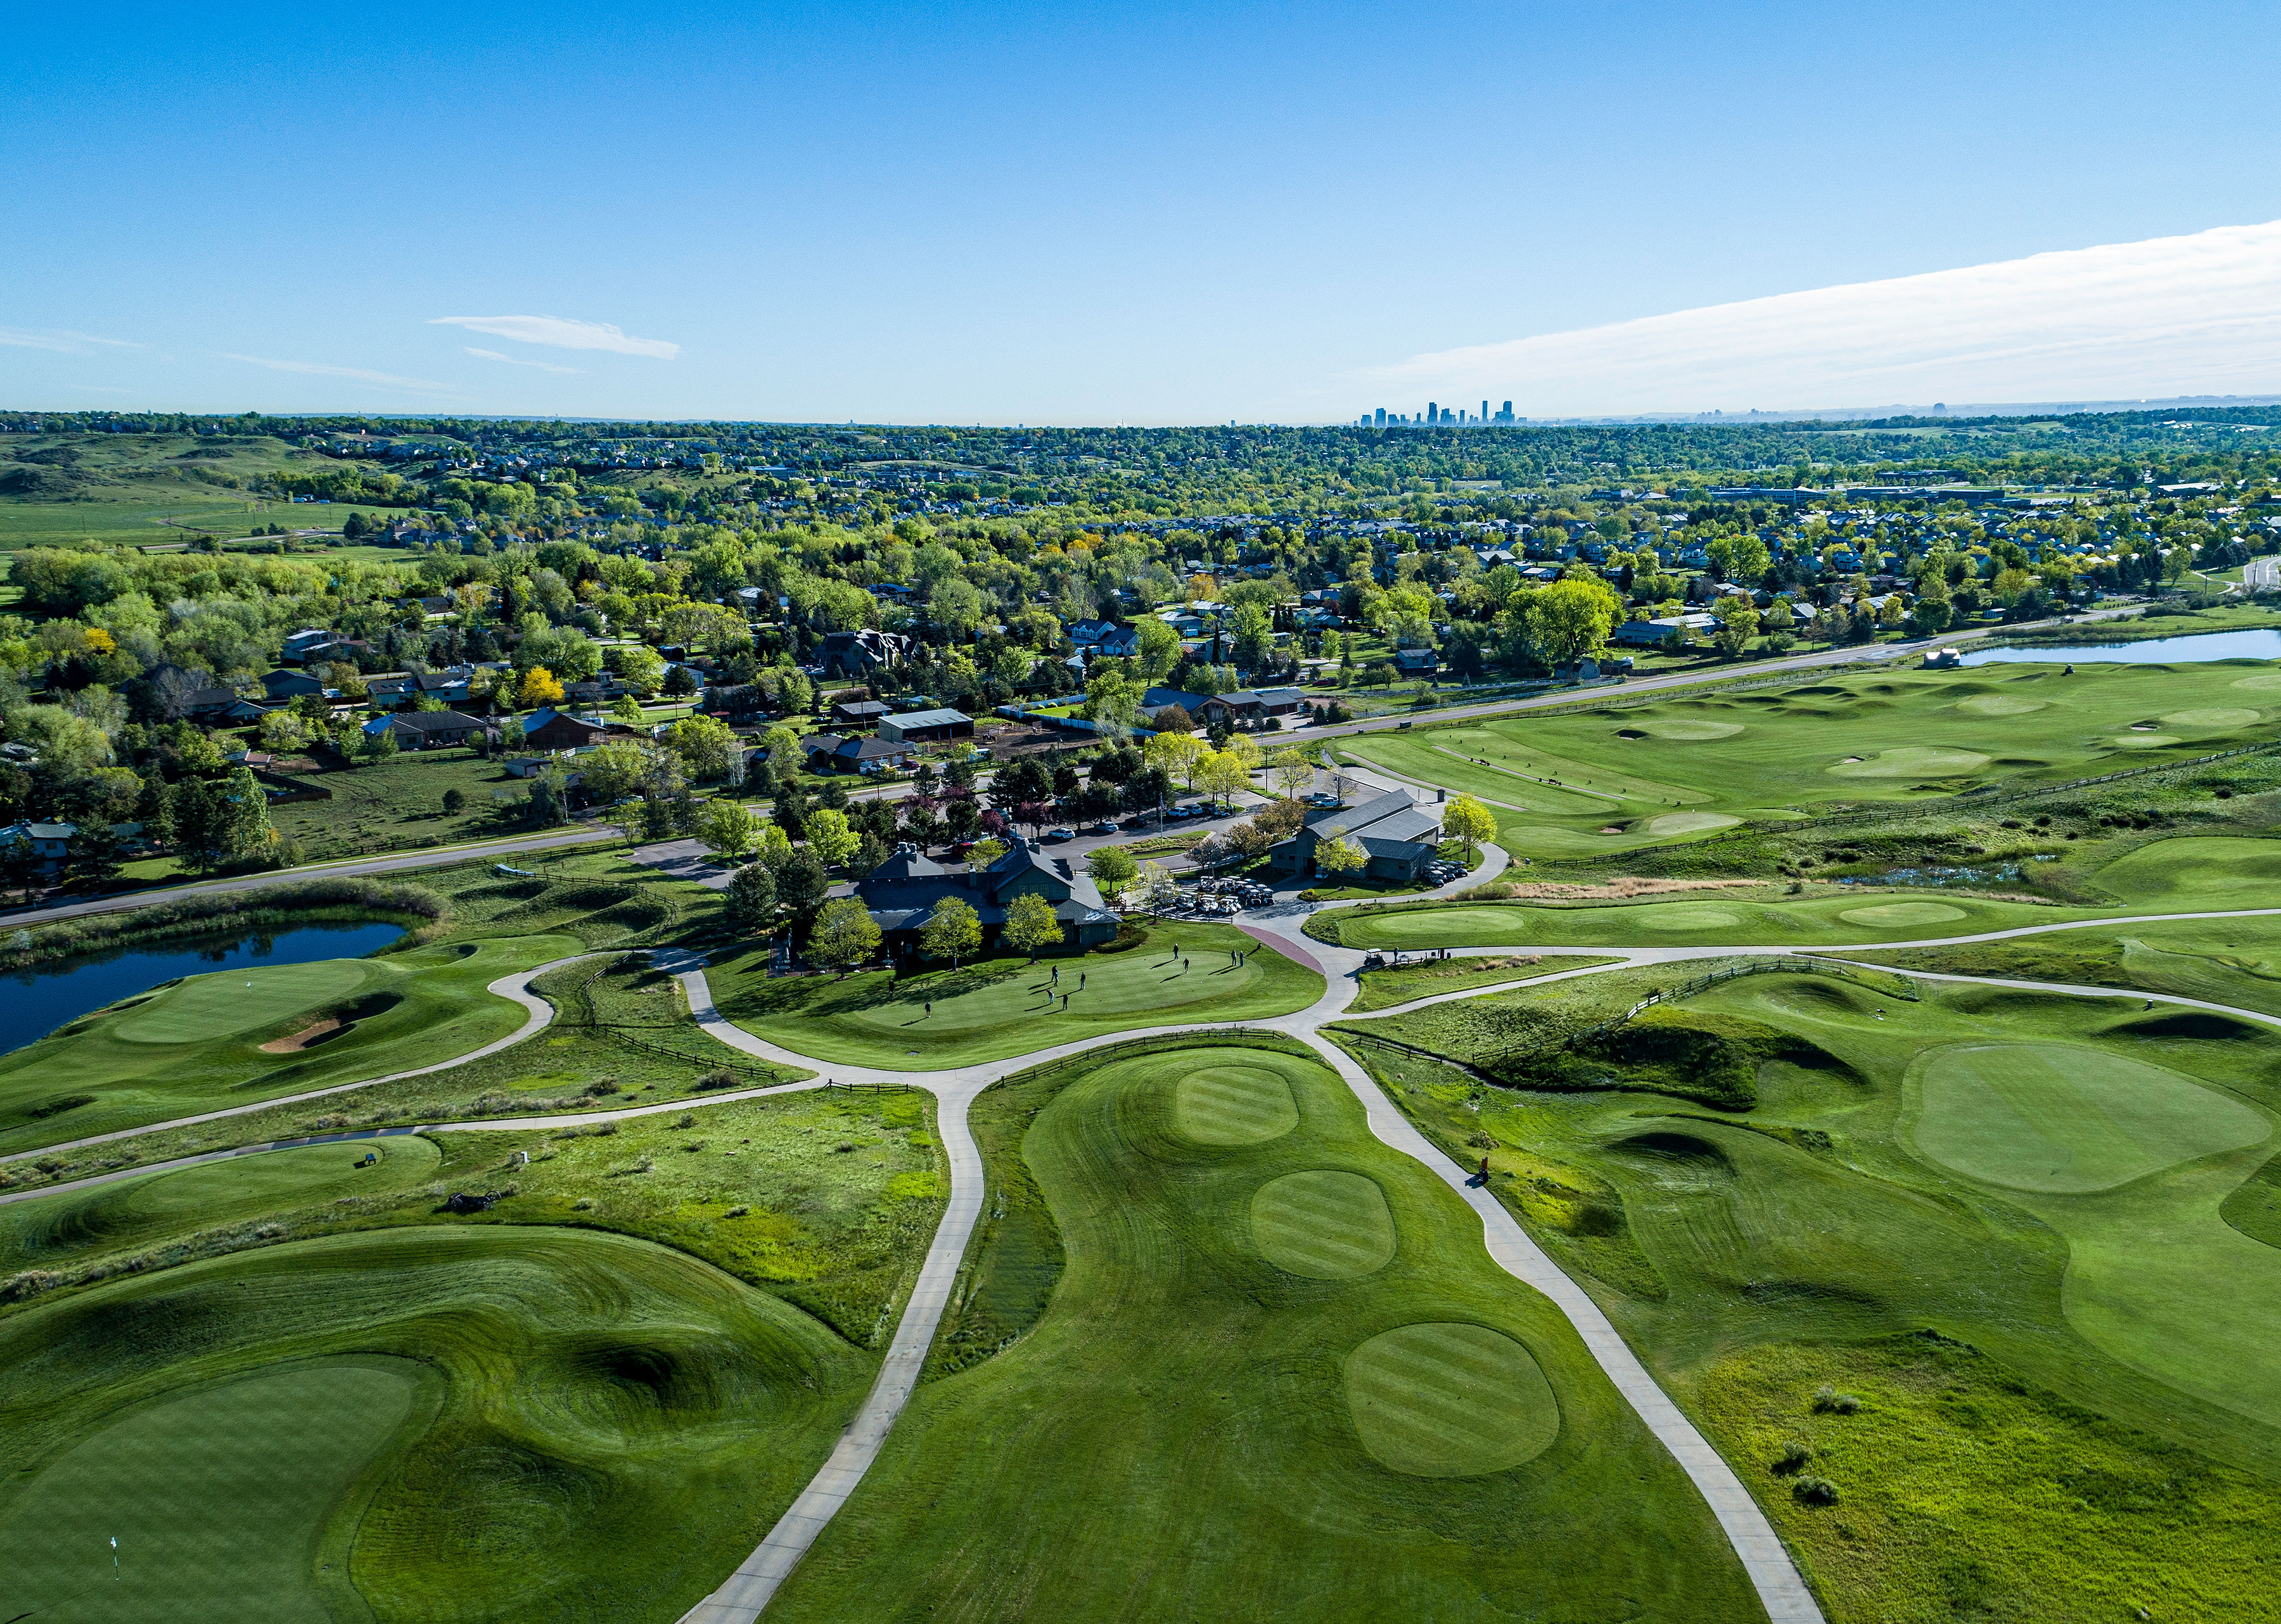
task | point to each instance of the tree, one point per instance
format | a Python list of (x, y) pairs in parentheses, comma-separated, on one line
[(1221, 775), (844, 935), (375, 745), (983, 853), (628, 710), (680, 682), (952, 931), (1741, 559), (1112, 702), (705, 744), (1466, 819), (1254, 644), (1338, 855), (1159, 651), (728, 830), (539, 687), (454, 801), (1030, 925), (1738, 623), (640, 668), (829, 838), (1292, 770), (1176, 753), (801, 881), (1569, 620), (1112, 869), (1158, 889), (751, 899)]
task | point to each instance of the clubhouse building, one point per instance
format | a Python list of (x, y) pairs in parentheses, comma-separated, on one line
[(902, 891), (1398, 836)]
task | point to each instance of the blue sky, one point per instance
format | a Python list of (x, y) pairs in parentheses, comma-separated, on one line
[(1048, 214)]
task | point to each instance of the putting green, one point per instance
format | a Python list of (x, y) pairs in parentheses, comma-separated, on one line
[(2144, 741), (1999, 705), (1685, 728), (201, 1008), (2067, 1119), (2265, 682), (1913, 761), (1325, 1225), (2217, 717), (1449, 1400), (220, 1496), (1689, 822), (1903, 913), (1233, 1105), (1687, 917)]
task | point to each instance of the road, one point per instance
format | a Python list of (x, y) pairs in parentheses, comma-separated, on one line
[(2261, 574)]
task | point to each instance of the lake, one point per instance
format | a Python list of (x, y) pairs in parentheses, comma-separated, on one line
[(44, 999), (2260, 642)]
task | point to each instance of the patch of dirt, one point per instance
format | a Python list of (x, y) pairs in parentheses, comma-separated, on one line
[(1614, 890), (330, 1026)]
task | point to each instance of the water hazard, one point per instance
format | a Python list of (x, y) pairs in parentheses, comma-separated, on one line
[(39, 1000), (2260, 642)]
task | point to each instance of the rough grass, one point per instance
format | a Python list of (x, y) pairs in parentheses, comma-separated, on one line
[(1002, 1008), (1182, 1416)]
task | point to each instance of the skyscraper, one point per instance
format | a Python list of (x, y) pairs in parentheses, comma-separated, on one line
[(1485, 410), (1432, 412), (1381, 417)]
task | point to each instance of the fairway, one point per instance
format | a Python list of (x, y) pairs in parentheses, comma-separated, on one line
[(1233, 1105), (1555, 781), (1002, 1008), (1449, 1400), (1325, 1225), (205, 1042), (1185, 1426), (221, 1496), (2069, 1120), (1840, 917), (1888, 915)]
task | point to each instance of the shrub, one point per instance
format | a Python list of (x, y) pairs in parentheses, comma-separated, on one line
[(1814, 1491), (1830, 1400), (719, 1077), (1794, 1457)]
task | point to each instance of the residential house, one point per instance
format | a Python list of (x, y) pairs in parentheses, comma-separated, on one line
[(549, 729), (861, 653), (858, 713), (282, 684), (1416, 662), (49, 844), (925, 726), (207, 705), (1651, 633), (1156, 700), (853, 753), (901, 892), (426, 729), (1105, 639), (1398, 836), (1254, 707), (450, 687)]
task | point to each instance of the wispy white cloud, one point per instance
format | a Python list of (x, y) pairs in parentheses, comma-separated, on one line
[(61, 340), (2170, 316), (386, 380), (493, 355), (562, 334)]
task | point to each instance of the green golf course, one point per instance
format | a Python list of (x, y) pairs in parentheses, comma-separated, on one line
[(1269, 1373), (2182, 875), (208, 1041), (1990, 1215), (502, 1423), (1624, 777), (1001, 1008)]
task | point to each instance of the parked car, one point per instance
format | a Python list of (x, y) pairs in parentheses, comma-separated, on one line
[(1061, 834), (1100, 829)]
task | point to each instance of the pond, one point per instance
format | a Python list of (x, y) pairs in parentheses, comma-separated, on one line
[(56, 996), (2260, 643)]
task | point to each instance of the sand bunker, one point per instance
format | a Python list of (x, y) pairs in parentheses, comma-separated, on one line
[(301, 1040)]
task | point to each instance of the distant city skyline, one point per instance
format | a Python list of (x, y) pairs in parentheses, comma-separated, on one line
[(1026, 213)]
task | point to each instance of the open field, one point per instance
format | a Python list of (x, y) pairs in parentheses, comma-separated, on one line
[(2006, 1221), (2233, 962), (1617, 779), (1274, 1375), (208, 1041), (141, 488), (1004, 1007), (2179, 875), (398, 805)]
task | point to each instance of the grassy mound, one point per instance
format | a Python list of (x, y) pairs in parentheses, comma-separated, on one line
[(1003, 1008), (1183, 1409), (1325, 1225), (1449, 1400), (617, 1421)]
